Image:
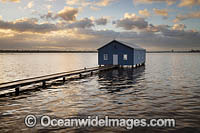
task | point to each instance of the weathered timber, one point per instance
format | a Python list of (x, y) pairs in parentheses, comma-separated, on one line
[(43, 79)]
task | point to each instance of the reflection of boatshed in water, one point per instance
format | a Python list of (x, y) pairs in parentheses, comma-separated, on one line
[(121, 53)]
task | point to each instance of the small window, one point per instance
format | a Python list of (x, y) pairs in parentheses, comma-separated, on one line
[(125, 57), (105, 56)]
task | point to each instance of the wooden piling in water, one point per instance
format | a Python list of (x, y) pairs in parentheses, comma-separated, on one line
[(44, 84), (64, 79), (17, 91)]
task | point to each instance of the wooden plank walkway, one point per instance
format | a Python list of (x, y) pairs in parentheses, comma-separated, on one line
[(42, 79)]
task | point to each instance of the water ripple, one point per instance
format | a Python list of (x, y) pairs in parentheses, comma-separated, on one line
[(161, 89)]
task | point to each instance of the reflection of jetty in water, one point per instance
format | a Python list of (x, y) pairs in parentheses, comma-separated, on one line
[(117, 80)]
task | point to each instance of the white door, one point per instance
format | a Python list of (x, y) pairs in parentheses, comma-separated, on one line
[(115, 59)]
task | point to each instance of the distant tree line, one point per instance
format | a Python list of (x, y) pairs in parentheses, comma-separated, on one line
[(193, 51), (43, 51)]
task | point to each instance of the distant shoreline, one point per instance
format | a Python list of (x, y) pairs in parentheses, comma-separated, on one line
[(43, 51), (55, 51)]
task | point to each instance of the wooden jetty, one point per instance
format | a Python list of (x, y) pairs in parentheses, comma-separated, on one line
[(43, 79)]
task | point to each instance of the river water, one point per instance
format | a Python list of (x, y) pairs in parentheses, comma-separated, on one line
[(168, 86)]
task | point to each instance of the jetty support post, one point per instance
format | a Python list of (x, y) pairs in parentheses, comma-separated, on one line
[(91, 73), (64, 79), (80, 75), (43, 84), (17, 91)]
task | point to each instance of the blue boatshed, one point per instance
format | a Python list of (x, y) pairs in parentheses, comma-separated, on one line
[(121, 53)]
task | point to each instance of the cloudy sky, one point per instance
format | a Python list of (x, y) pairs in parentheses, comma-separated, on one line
[(88, 24)]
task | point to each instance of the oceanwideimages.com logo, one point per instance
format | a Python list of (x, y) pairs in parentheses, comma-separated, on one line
[(95, 121)]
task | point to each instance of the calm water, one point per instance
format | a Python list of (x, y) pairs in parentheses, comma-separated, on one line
[(167, 87)]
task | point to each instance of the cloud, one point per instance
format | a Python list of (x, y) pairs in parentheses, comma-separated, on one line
[(16, 1), (181, 34), (157, 28), (131, 21), (95, 8), (101, 21), (49, 16), (182, 3), (81, 3), (48, 7), (72, 2), (191, 15), (94, 5), (84, 23), (161, 12), (176, 31), (189, 3), (103, 3), (30, 4), (51, 0), (144, 13), (169, 2), (27, 25), (178, 27), (68, 13)]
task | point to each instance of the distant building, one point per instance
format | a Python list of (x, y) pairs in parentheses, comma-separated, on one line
[(121, 53)]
